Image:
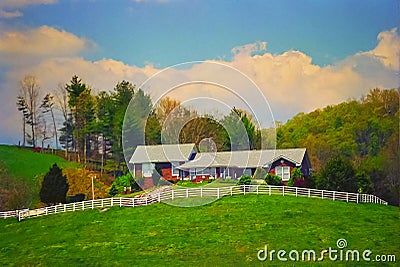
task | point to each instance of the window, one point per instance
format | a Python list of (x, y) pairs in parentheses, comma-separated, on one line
[(283, 172), (147, 169), (174, 169), (204, 171)]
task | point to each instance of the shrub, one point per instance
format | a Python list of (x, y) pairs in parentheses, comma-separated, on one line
[(296, 174), (244, 180), (76, 198), (272, 179), (113, 190)]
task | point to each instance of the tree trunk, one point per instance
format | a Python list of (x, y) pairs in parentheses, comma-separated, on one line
[(84, 151), (55, 128), (24, 131)]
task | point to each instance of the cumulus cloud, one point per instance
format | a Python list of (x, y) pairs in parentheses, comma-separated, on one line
[(388, 49), (43, 42), (290, 82)]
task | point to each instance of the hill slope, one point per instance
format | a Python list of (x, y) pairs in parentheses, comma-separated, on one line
[(227, 232), (19, 169), (26, 164)]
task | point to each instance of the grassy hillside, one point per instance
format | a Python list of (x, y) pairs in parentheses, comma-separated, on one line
[(227, 232), (26, 164), (21, 168)]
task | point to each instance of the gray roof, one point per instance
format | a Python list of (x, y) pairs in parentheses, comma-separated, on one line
[(244, 159), (162, 153)]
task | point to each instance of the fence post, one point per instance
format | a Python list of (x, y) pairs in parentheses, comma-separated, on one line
[(244, 189), (357, 197), (92, 203), (257, 189), (133, 202), (269, 190), (120, 201), (73, 206), (55, 209), (283, 190), (322, 194), (296, 191), (112, 202), (187, 192), (65, 207), (47, 211), (159, 197), (172, 194), (146, 200), (201, 191), (309, 192), (347, 196), (231, 190)]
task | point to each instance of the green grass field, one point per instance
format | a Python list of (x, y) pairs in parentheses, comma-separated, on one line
[(228, 232), (26, 165)]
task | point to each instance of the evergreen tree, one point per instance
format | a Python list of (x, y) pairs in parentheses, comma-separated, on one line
[(54, 187)]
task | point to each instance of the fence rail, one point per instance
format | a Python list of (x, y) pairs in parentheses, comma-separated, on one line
[(217, 192)]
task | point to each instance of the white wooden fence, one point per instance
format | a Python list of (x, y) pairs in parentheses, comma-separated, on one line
[(217, 192)]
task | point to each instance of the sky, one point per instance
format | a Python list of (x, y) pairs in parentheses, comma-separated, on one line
[(290, 56)]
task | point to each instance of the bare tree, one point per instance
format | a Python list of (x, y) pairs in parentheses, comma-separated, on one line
[(27, 103), (43, 132), (61, 99), (22, 96), (47, 106)]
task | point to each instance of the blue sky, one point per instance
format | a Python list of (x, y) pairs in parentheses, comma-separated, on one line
[(323, 52), (170, 32)]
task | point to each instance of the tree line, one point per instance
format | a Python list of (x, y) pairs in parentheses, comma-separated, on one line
[(93, 124), (357, 138), (362, 134)]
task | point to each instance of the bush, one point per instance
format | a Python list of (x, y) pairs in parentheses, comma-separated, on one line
[(113, 190), (244, 180), (272, 179), (76, 198), (296, 174)]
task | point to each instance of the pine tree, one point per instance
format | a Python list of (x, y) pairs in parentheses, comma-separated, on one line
[(54, 186)]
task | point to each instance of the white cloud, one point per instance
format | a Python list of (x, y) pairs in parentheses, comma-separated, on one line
[(388, 49), (289, 81), (43, 42)]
